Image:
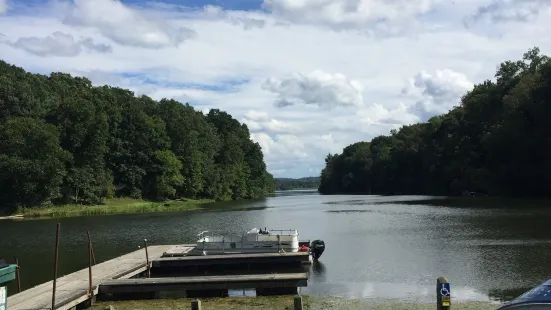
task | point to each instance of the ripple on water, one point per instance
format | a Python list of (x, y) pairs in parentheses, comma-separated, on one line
[(378, 247)]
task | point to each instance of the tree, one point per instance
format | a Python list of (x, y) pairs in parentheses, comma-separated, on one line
[(495, 142), (31, 163), (67, 141)]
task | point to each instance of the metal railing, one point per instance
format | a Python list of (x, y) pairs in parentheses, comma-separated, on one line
[(281, 231)]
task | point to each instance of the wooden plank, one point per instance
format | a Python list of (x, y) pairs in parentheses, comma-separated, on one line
[(38, 297), (72, 289), (147, 285)]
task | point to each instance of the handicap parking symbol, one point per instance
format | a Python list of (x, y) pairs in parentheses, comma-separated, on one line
[(445, 289)]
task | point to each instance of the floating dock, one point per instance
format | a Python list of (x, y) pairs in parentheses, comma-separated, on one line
[(172, 268), (207, 283)]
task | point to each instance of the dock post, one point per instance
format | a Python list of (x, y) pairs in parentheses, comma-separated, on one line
[(92, 246), (298, 302), (443, 294), (90, 291), (196, 304), (148, 272), (55, 264), (17, 275)]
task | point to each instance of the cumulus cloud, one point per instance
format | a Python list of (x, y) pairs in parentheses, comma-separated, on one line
[(59, 44), (250, 47), (217, 13), (436, 93), (510, 10), (259, 121), (319, 88), (347, 13), (301, 154), (379, 114), (125, 25)]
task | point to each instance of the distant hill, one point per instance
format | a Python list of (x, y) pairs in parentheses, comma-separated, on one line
[(302, 183)]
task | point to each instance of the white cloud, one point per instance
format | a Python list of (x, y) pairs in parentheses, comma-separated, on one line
[(437, 93), (345, 85), (347, 13), (125, 25), (259, 121), (218, 13), (511, 10), (319, 88), (58, 44)]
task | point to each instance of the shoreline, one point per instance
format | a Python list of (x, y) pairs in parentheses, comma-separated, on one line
[(110, 207), (285, 302)]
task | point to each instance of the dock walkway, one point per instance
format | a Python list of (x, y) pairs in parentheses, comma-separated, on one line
[(204, 283), (72, 289)]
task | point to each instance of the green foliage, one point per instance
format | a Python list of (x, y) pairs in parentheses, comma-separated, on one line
[(64, 141), (496, 142), (114, 206), (31, 162), (169, 175), (284, 184)]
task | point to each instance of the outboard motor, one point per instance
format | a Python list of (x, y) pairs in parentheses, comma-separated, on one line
[(316, 248), (537, 298)]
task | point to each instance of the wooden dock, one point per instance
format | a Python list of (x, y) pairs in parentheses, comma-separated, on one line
[(114, 276), (152, 285), (72, 289)]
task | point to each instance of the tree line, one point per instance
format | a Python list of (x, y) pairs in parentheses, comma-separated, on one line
[(284, 184), (497, 141), (63, 140)]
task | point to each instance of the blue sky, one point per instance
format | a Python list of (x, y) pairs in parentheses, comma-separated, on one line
[(307, 79)]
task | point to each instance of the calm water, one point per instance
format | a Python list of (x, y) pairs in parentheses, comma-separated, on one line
[(377, 247)]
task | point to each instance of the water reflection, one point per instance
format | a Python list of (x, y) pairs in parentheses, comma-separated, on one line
[(404, 292), (318, 271), (377, 246)]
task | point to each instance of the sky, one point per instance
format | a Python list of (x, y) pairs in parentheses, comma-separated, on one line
[(308, 77)]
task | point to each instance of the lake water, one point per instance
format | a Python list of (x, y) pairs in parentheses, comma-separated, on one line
[(376, 246)]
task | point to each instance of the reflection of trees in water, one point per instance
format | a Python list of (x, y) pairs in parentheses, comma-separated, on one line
[(495, 251), (318, 271), (479, 203), (513, 251), (507, 295)]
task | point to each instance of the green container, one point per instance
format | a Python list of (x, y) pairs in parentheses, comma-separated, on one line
[(7, 274)]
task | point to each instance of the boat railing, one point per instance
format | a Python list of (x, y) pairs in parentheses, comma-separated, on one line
[(227, 238), (283, 231)]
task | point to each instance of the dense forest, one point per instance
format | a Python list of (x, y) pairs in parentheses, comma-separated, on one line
[(63, 140), (283, 184), (497, 141)]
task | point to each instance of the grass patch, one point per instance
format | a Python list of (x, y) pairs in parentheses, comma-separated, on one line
[(113, 206), (280, 303)]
